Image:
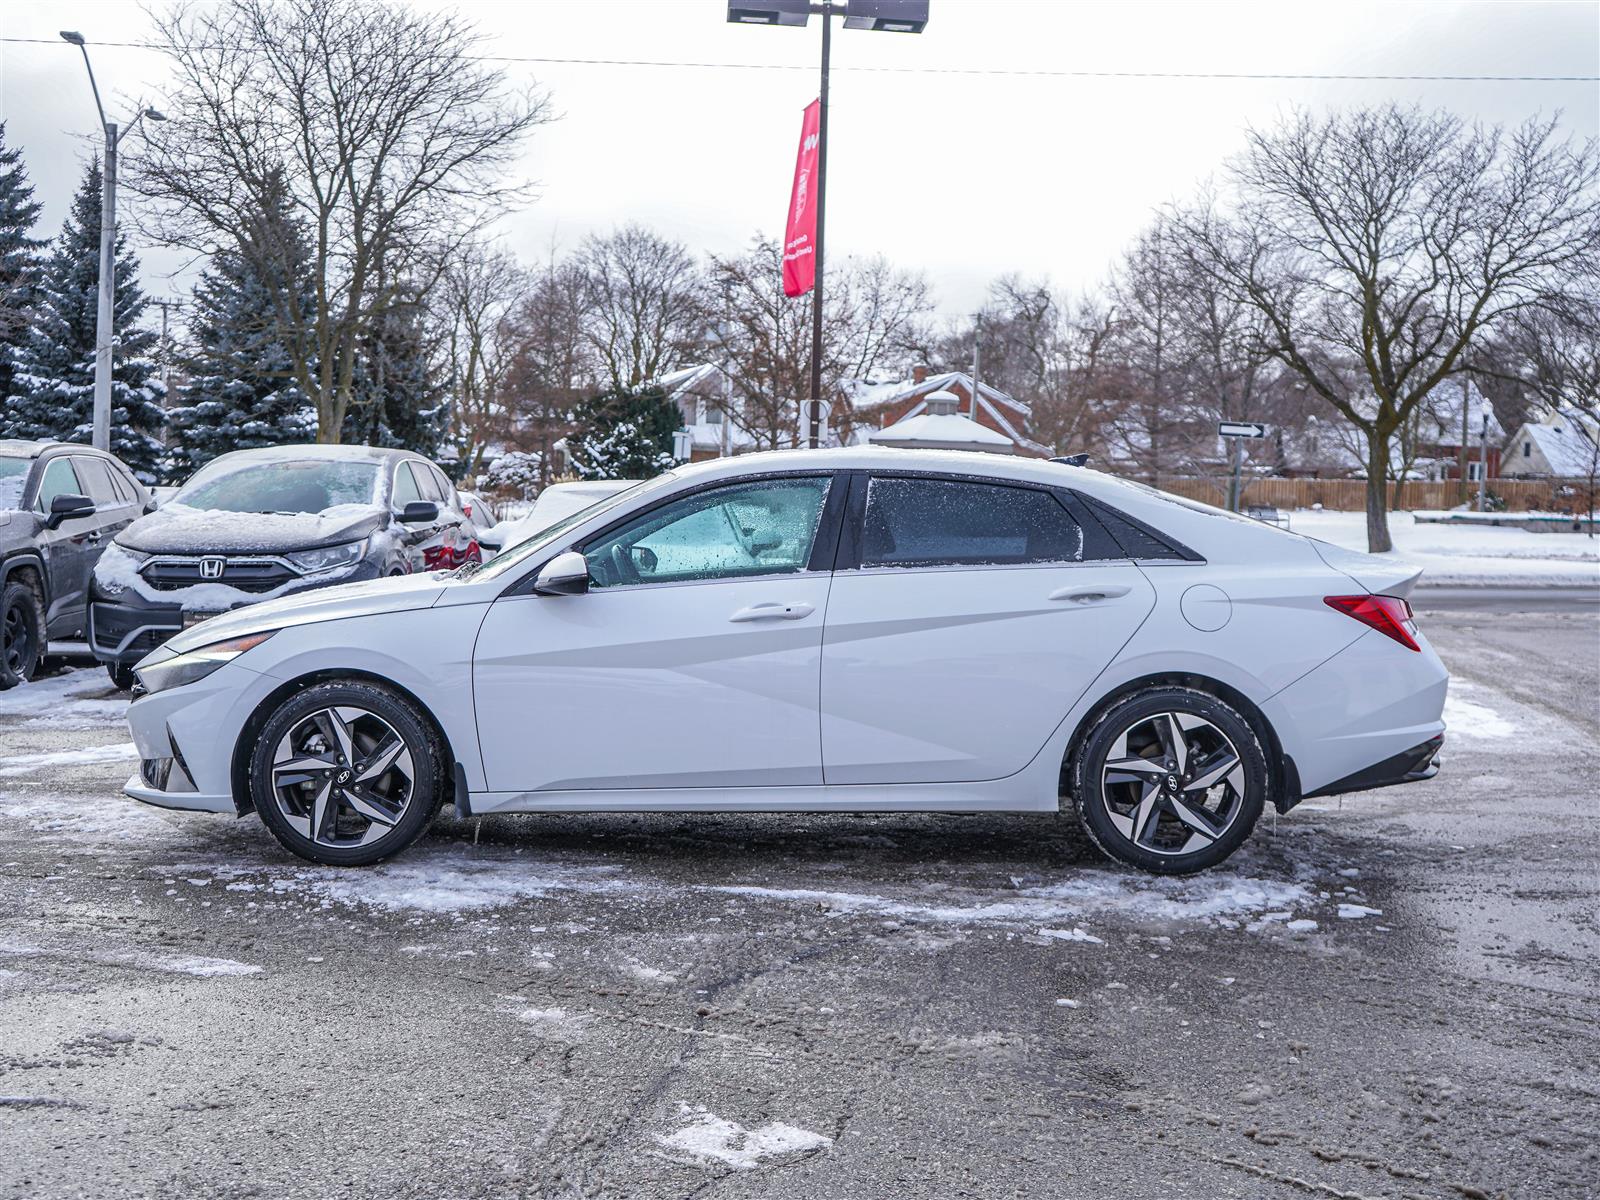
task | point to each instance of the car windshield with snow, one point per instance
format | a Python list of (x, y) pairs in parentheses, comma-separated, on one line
[(260, 524), (853, 630)]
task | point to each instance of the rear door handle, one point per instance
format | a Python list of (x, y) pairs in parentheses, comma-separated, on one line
[(1090, 593), (773, 612)]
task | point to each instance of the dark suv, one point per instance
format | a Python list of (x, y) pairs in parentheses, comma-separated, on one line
[(60, 505), (257, 524)]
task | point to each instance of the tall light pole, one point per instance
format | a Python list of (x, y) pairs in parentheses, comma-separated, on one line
[(104, 319), (883, 16)]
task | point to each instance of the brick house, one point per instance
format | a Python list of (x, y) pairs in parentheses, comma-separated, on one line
[(862, 408)]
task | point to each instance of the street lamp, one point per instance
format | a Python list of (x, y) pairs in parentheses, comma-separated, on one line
[(108, 249), (883, 16)]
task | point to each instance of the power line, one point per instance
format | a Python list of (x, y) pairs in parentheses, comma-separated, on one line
[(976, 71)]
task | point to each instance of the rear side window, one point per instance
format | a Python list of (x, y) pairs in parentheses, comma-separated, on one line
[(405, 487), (96, 479), (59, 480), (943, 522)]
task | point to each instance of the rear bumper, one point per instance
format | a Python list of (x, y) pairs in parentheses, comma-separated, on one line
[(1409, 766)]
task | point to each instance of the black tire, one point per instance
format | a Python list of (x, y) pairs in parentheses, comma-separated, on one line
[(122, 677), (1169, 839), (22, 640), (282, 808)]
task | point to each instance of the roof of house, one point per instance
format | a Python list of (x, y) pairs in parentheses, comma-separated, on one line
[(867, 394), (941, 431), (1565, 446)]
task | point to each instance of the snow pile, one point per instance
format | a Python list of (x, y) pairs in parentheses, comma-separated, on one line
[(708, 1138), (435, 887), (179, 529), (200, 965), (1468, 719), (72, 700), (27, 764), (1466, 553)]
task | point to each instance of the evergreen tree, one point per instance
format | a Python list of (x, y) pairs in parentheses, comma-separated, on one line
[(624, 435), (397, 399), (241, 392), (53, 387), (19, 256)]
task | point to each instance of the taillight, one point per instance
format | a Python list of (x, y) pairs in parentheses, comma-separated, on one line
[(1389, 615)]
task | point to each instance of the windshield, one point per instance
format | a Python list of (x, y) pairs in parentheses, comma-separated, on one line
[(512, 556), (282, 485), (13, 474)]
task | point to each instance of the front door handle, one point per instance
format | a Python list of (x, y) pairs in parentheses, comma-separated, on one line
[(1090, 593), (773, 612)]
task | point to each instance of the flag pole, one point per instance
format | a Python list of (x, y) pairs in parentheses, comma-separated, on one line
[(814, 418)]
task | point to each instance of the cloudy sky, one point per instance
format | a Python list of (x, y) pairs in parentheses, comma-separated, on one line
[(956, 161)]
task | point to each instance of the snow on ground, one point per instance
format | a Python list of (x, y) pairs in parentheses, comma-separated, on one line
[(1466, 553), (1472, 719), (84, 696), (708, 1139), (26, 764)]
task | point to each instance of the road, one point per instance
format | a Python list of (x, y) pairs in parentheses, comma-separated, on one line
[(1500, 598), (1392, 995)]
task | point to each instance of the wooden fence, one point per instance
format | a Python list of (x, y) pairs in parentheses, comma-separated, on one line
[(1518, 495)]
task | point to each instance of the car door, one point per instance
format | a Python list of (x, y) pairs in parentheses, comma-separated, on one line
[(414, 539), (692, 662), (966, 618), (114, 508), (69, 551)]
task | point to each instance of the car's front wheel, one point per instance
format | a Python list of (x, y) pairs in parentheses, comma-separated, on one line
[(346, 773), (1171, 780), (21, 634)]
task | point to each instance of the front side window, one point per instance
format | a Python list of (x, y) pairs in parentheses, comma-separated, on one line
[(943, 522), (765, 527), (59, 480), (405, 487)]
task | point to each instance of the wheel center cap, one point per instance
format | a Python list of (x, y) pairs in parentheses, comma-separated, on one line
[(1172, 783), (343, 777)]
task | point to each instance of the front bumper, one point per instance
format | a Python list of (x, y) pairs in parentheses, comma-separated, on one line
[(139, 788), (127, 625)]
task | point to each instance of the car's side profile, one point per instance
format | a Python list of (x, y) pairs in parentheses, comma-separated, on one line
[(842, 630), (60, 506)]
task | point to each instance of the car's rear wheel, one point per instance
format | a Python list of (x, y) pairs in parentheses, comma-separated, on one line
[(1171, 780), (21, 634), (346, 773)]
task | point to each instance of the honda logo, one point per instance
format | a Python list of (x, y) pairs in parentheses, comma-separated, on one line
[(211, 567)]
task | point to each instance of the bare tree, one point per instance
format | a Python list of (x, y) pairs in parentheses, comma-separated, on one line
[(875, 314), (1380, 244), (643, 304), (392, 139), (551, 362), (468, 310)]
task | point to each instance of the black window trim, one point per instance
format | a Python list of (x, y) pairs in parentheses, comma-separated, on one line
[(1180, 552), (849, 556), (823, 547)]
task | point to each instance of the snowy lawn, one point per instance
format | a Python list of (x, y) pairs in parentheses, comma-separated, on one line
[(1466, 553)]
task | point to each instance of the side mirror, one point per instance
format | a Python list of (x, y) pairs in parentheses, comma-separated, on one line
[(564, 575), (66, 508), (419, 512)]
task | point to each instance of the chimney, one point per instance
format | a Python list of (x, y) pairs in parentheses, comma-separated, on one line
[(919, 374)]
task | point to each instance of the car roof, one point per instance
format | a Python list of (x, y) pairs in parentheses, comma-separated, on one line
[(24, 448), (339, 453)]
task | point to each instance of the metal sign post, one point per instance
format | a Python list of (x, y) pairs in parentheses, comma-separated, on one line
[(1235, 432)]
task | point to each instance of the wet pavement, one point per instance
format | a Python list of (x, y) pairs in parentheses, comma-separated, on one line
[(1388, 995)]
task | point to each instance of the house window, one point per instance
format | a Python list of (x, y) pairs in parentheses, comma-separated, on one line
[(713, 416), (1474, 471), (1527, 449)]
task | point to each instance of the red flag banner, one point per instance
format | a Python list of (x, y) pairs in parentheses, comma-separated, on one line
[(800, 235)]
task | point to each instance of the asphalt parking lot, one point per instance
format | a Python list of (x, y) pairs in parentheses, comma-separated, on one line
[(1392, 995)]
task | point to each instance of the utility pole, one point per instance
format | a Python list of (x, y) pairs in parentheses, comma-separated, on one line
[(165, 305), (1483, 461), (814, 437), (977, 341), (104, 317)]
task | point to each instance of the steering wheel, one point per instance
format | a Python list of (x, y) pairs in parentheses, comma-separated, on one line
[(622, 561)]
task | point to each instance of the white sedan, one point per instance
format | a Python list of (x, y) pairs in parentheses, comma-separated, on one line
[(853, 630)]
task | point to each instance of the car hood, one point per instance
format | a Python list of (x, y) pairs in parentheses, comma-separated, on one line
[(179, 529), (397, 594), (1380, 574)]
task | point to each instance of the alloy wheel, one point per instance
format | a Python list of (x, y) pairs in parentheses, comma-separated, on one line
[(342, 776), (1173, 783), (16, 641)]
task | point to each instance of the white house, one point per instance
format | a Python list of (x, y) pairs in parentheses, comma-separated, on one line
[(1564, 445)]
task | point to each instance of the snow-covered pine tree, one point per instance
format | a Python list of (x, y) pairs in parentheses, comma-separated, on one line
[(398, 399), (624, 435), (53, 386), (19, 257), (241, 391)]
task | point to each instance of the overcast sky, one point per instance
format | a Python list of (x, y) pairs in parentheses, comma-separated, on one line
[(964, 176)]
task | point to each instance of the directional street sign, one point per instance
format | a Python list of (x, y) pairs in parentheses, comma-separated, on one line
[(1241, 429)]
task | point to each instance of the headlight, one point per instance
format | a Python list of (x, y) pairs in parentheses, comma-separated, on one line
[(118, 569), (193, 665), (329, 557)]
